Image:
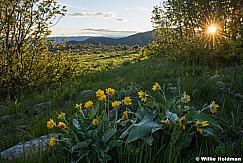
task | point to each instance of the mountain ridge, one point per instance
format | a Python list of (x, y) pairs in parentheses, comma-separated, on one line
[(141, 39)]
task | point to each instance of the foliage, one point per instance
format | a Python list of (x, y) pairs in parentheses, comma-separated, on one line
[(93, 131), (182, 31), (25, 58)]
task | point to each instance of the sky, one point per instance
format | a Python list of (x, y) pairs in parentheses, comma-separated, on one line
[(116, 18)]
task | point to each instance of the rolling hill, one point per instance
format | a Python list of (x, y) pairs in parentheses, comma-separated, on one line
[(141, 39)]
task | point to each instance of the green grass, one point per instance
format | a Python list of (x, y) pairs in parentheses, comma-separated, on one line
[(120, 71)]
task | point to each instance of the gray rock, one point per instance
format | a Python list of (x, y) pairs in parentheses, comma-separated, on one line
[(220, 85), (238, 96), (215, 77), (160, 66), (30, 148), (2, 107), (87, 94), (5, 118), (43, 105), (23, 127), (171, 88)]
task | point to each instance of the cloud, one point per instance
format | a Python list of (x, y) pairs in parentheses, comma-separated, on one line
[(121, 19), (106, 32), (138, 8), (105, 15)]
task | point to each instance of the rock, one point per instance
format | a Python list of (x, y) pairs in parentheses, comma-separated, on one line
[(238, 96), (23, 127), (171, 88), (2, 107), (43, 105), (220, 85), (32, 147), (87, 94), (5, 118), (160, 66), (215, 77)]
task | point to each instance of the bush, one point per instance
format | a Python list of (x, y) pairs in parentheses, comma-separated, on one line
[(25, 57)]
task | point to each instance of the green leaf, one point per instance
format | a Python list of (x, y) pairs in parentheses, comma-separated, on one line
[(108, 134), (83, 144), (92, 112), (184, 140), (198, 115), (149, 104), (172, 116), (142, 129), (207, 131), (115, 143), (150, 140), (169, 104), (76, 124)]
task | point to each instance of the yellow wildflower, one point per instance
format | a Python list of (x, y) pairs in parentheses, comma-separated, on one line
[(127, 101), (143, 96), (50, 124), (52, 141), (95, 122), (100, 93), (110, 91), (61, 115), (156, 86), (88, 104), (62, 125), (165, 122), (102, 98), (213, 107), (200, 125), (185, 98), (125, 115), (116, 104), (182, 122), (78, 106)]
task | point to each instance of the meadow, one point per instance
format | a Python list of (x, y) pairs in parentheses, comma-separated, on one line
[(25, 117), (179, 99)]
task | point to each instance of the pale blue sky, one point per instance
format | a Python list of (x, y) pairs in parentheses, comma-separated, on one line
[(105, 17)]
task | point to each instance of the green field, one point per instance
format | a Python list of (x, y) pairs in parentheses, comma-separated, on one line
[(25, 116)]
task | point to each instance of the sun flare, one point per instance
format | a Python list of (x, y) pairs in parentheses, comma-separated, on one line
[(212, 29)]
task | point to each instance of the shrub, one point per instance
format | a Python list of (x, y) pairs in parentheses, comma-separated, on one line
[(25, 59)]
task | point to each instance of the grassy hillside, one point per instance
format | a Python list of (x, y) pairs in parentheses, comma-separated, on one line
[(25, 117)]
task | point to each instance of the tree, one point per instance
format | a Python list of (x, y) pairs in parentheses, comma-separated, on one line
[(184, 24), (25, 58)]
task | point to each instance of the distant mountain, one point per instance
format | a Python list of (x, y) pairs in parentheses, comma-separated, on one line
[(67, 39), (141, 39)]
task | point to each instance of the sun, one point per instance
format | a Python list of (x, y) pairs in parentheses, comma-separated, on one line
[(212, 29)]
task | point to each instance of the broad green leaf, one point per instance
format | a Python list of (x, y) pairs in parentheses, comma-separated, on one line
[(207, 131), (169, 104), (92, 112), (126, 132), (184, 140), (142, 129), (108, 134), (114, 143), (197, 115), (150, 140), (76, 124), (149, 104), (83, 144), (172, 116)]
